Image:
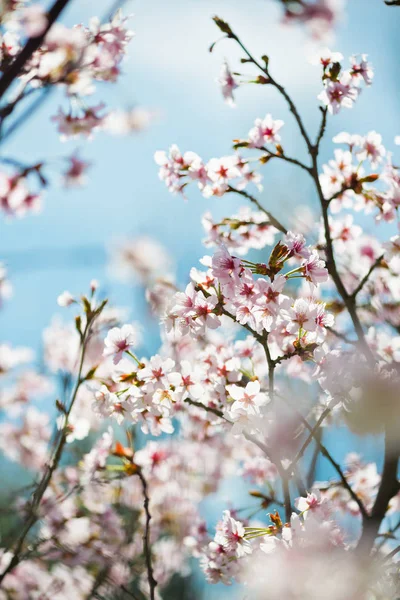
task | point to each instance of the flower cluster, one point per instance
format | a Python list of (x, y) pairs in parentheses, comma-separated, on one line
[(213, 178), (342, 87)]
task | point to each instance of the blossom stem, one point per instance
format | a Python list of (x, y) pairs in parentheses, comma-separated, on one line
[(135, 358)]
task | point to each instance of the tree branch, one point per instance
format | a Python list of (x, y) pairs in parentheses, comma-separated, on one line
[(54, 461), (30, 48), (367, 276), (273, 221), (388, 488), (288, 159), (146, 536), (325, 452)]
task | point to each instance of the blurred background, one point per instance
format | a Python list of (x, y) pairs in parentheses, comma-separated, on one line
[(170, 71)]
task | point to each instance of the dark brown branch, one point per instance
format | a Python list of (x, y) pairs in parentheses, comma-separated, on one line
[(45, 92), (322, 128), (286, 494), (340, 335), (388, 488), (311, 436), (279, 87), (332, 268), (146, 536), (338, 193), (325, 452), (17, 66), (210, 409), (288, 159), (42, 95), (367, 276), (271, 365), (392, 554), (314, 459)]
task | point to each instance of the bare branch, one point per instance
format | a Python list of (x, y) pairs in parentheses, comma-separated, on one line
[(146, 536), (273, 221), (288, 159), (367, 276)]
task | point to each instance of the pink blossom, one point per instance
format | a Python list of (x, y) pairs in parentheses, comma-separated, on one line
[(265, 131), (65, 299), (314, 269), (118, 341), (228, 83), (247, 400), (230, 534), (338, 94), (75, 175), (301, 316)]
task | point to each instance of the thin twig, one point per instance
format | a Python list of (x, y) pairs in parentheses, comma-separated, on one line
[(210, 409), (311, 436), (338, 194), (325, 452), (288, 159), (322, 128), (391, 554), (367, 276), (388, 488), (42, 95), (271, 218), (146, 536), (341, 335), (314, 459), (278, 86)]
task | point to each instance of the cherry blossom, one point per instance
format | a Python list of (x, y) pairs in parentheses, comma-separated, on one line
[(246, 400), (265, 131), (119, 341), (228, 83)]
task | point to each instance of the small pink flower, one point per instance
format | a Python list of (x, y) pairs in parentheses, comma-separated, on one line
[(228, 83), (265, 131), (118, 341), (65, 299), (314, 269), (247, 400)]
